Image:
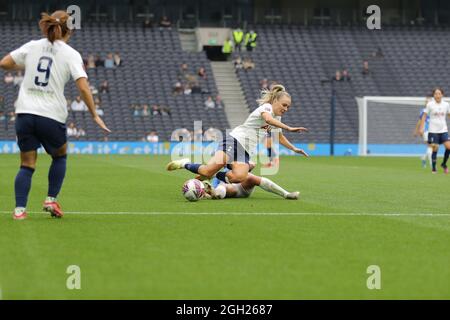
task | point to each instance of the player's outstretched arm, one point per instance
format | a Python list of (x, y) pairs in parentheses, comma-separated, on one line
[(276, 123), (285, 142), (8, 63), (417, 128), (86, 95)]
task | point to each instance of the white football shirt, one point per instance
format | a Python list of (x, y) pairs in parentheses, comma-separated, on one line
[(48, 67), (438, 116), (249, 134)]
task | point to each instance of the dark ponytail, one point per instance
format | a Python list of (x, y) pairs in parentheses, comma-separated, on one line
[(54, 26)]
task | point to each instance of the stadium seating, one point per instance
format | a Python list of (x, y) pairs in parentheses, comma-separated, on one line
[(414, 60), (151, 61)]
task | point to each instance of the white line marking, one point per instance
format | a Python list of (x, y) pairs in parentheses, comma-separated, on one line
[(344, 214)]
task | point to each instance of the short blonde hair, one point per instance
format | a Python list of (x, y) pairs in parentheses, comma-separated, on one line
[(269, 96)]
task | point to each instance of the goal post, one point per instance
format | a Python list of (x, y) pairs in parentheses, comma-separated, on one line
[(386, 125)]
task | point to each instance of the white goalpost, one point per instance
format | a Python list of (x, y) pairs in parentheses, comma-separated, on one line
[(386, 125)]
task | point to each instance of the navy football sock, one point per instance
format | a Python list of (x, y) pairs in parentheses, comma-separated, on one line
[(56, 175), (22, 185), (446, 155), (433, 160), (222, 176), (192, 167)]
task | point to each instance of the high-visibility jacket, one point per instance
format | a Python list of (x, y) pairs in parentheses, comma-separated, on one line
[(238, 36), (227, 46), (250, 38)]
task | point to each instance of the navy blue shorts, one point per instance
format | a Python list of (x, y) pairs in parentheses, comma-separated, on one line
[(33, 131), (437, 138), (234, 150)]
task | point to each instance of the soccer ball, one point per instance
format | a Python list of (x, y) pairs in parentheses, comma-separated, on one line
[(193, 190)]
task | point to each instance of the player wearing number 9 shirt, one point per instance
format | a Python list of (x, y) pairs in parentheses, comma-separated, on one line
[(41, 107)]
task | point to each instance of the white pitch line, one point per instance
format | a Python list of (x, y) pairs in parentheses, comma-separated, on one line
[(344, 214)]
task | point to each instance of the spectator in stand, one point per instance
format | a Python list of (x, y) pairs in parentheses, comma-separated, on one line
[(178, 88), (156, 111), (78, 105), (94, 90), (187, 89), (2, 103), (72, 130), (148, 24), (99, 62), (104, 88), (152, 137), (337, 76), (195, 87), (136, 110), (109, 61), (183, 73), (165, 23), (145, 112), (202, 73), (346, 75), (219, 103), (238, 63), (212, 134), (366, 71), (264, 84), (11, 116), (248, 64), (90, 62), (117, 60), (18, 78), (9, 78), (165, 111), (209, 103), (98, 107)]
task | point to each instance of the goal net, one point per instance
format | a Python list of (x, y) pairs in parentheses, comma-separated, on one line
[(386, 125)]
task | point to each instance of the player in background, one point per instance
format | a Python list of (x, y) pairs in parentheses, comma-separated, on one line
[(41, 107), (429, 151), (237, 147), (219, 190), (437, 110), (274, 160)]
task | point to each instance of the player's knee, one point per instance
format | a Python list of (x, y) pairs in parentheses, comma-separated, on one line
[(28, 163)]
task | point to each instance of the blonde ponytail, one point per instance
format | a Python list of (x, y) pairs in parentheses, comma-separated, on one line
[(275, 93)]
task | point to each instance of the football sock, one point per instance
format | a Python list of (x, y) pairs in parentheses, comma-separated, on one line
[(221, 191), (22, 185), (192, 167), (429, 153), (56, 175), (433, 160), (222, 176), (269, 153), (270, 186), (446, 155)]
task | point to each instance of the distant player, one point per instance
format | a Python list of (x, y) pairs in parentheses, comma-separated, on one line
[(429, 151), (271, 154), (41, 106), (437, 110), (244, 189), (242, 141)]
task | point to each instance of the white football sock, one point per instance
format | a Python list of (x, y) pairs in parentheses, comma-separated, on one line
[(429, 153), (270, 186), (221, 191)]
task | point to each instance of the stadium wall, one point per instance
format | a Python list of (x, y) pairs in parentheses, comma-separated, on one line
[(167, 148)]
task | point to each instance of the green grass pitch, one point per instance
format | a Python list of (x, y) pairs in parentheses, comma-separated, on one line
[(354, 212)]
